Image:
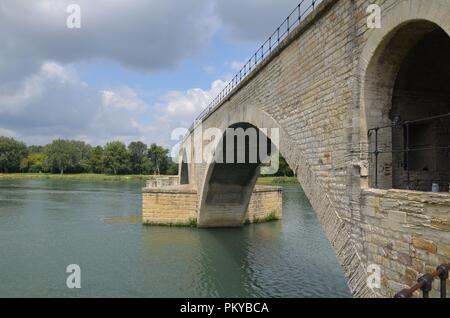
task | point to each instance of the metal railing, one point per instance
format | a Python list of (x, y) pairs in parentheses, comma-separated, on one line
[(408, 148), (425, 283), (303, 9)]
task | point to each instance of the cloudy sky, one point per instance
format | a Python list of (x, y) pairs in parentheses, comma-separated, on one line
[(135, 70)]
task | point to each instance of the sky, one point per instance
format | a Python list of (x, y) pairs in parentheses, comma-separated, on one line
[(135, 70)]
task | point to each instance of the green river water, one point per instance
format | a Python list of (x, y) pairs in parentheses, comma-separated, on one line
[(46, 225)]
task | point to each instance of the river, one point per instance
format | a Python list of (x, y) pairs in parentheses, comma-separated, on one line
[(45, 225)]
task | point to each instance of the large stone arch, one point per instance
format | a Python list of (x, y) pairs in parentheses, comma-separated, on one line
[(254, 117), (403, 27), (335, 227)]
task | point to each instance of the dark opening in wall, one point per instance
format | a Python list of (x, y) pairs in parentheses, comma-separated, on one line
[(408, 98), (422, 90), (420, 137), (184, 173)]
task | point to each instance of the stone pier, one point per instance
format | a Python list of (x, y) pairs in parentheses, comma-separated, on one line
[(177, 205)]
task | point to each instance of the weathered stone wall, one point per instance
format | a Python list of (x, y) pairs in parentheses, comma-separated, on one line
[(163, 181), (266, 203), (178, 205), (306, 89), (407, 233), (319, 89)]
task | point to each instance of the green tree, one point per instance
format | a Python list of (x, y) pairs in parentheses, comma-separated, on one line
[(172, 170), (115, 157), (158, 159), (137, 155), (36, 149), (34, 162), (284, 169), (62, 155), (11, 154), (82, 155), (96, 160)]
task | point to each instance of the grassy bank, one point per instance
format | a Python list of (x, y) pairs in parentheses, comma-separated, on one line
[(78, 177), (276, 180), (105, 177)]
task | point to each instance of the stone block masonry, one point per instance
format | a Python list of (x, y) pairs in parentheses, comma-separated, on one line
[(407, 232), (178, 205), (328, 82), (266, 204), (171, 205)]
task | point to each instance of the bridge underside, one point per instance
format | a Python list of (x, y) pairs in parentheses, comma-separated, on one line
[(231, 177)]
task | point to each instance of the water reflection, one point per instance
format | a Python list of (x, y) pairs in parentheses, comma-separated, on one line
[(46, 225)]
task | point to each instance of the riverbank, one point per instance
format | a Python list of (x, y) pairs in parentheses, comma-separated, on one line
[(120, 178), (276, 180), (77, 177)]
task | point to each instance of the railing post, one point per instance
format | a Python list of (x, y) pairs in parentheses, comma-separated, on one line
[(376, 158), (443, 276), (407, 156), (427, 284)]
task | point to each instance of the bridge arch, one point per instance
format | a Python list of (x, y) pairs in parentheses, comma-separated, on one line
[(405, 69), (234, 182)]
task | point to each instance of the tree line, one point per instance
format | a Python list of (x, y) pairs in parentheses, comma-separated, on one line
[(74, 156)]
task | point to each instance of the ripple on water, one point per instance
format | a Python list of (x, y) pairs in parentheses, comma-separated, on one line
[(46, 225)]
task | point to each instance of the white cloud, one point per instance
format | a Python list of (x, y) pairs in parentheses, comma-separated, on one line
[(236, 65), (123, 98), (13, 99), (55, 103), (178, 109), (186, 105), (57, 72)]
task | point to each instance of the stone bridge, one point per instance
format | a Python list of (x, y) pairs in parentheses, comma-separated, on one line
[(323, 87)]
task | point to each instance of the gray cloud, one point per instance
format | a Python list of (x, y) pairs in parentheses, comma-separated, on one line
[(254, 20), (41, 96), (55, 103), (140, 34)]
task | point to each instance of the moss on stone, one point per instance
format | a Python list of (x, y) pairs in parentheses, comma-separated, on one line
[(190, 223), (269, 218)]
